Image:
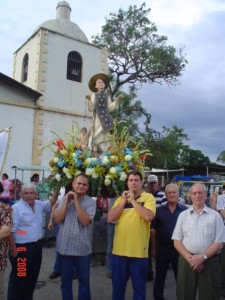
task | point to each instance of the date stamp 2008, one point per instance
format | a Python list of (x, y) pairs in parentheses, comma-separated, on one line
[(21, 263)]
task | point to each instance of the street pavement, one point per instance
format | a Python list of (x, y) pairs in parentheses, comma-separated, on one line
[(101, 287)]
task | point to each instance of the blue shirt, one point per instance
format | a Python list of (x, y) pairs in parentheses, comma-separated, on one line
[(164, 223), (28, 223)]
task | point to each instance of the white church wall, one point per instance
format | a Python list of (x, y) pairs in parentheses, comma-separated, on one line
[(59, 91), (32, 48)]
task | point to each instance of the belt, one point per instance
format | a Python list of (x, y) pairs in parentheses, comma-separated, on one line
[(29, 243)]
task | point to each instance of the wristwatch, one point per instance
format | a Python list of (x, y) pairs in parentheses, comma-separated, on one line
[(205, 256)]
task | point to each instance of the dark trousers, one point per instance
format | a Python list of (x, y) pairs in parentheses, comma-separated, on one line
[(165, 255), (222, 263), (110, 237), (206, 282), (150, 268), (82, 266), (122, 268), (25, 271)]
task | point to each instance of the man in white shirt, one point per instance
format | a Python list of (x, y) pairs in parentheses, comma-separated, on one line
[(198, 237)]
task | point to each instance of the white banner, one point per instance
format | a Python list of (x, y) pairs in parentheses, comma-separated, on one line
[(4, 144)]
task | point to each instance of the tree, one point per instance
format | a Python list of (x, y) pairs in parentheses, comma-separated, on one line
[(221, 157), (168, 148), (193, 157), (170, 151), (137, 54), (129, 113)]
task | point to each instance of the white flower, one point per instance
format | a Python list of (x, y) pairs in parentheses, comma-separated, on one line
[(123, 176), (55, 159), (77, 172), (105, 159), (127, 157), (65, 170), (112, 170), (58, 177), (94, 175), (89, 171), (107, 181)]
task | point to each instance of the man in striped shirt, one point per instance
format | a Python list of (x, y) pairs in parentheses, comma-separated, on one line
[(160, 199)]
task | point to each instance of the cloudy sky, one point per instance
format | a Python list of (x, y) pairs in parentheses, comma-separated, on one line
[(197, 104)]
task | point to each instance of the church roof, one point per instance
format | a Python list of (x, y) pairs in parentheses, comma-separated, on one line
[(19, 86), (63, 25)]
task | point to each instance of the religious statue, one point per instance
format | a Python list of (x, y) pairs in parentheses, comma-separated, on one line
[(101, 105), (83, 137)]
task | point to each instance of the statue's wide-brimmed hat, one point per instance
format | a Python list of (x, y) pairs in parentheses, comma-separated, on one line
[(94, 78)]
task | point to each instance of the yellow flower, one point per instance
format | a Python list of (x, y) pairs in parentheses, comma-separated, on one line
[(55, 159), (64, 152)]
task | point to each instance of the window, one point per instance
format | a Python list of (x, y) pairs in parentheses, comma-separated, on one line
[(74, 66), (25, 67)]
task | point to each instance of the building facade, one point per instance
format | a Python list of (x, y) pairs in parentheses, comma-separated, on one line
[(57, 61)]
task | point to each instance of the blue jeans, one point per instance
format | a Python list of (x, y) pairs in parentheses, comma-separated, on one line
[(82, 266), (122, 268)]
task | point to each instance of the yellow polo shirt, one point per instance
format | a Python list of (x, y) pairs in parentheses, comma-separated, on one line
[(132, 232)]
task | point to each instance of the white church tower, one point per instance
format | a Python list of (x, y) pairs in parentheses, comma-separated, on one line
[(57, 60)]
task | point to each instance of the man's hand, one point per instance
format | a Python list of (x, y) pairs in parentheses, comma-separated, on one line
[(128, 195), (196, 262), (50, 226)]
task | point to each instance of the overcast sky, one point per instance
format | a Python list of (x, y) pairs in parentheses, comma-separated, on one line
[(197, 104)]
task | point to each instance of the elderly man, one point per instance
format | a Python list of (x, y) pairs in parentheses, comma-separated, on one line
[(161, 232), (27, 233), (74, 242), (198, 237), (132, 212)]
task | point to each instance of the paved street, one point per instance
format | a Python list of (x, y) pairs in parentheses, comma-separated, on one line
[(101, 287)]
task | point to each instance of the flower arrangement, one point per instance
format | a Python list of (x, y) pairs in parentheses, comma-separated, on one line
[(107, 172)]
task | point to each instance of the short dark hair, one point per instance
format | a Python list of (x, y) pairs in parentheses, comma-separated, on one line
[(36, 175), (6, 175), (135, 173)]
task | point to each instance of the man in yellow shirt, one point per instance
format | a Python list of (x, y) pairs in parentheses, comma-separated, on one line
[(132, 212)]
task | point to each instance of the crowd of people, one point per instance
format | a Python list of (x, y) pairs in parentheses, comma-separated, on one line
[(145, 222)]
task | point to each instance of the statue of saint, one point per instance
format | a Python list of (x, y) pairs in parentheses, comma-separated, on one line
[(101, 105)]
